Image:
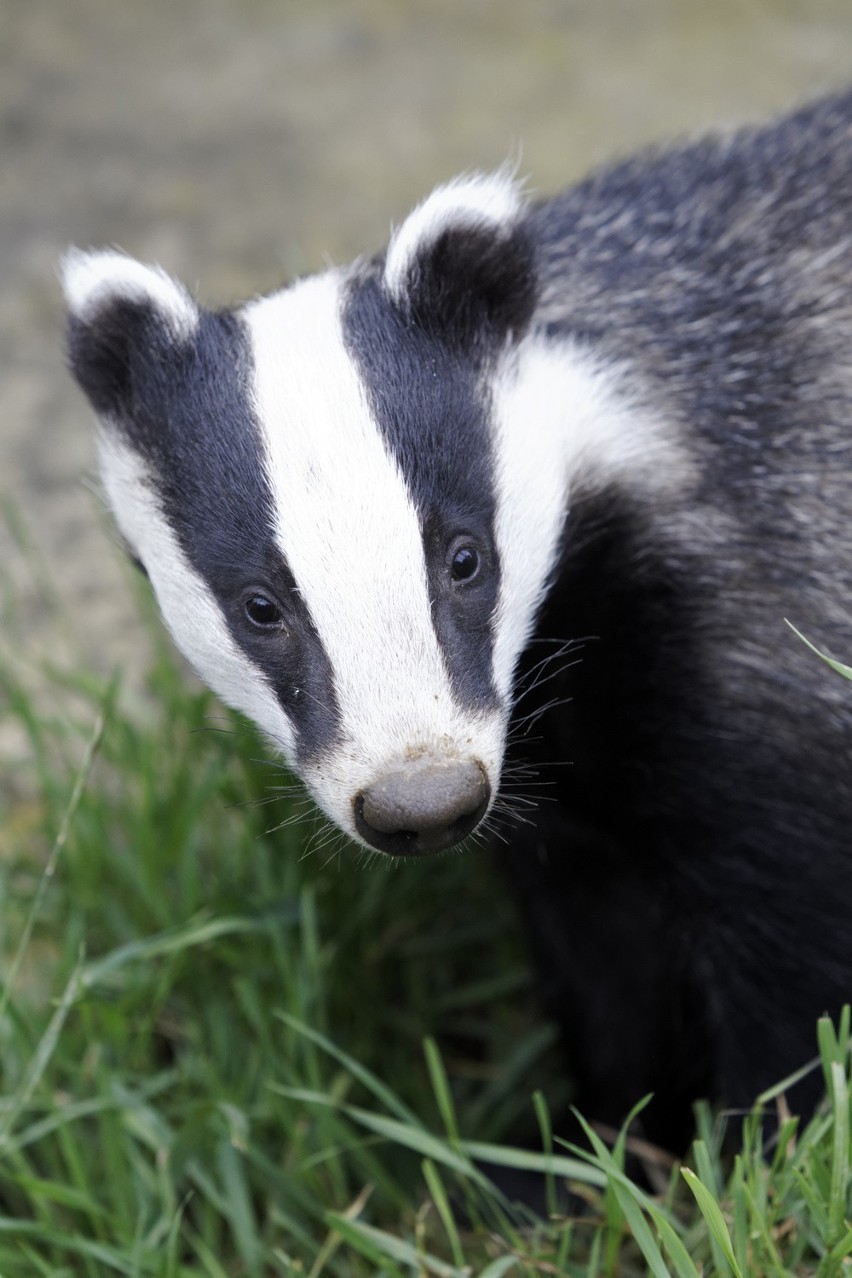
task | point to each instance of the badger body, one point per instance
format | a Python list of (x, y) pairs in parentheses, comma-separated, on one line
[(571, 463)]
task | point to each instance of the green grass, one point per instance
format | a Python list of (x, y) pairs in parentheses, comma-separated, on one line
[(218, 1040)]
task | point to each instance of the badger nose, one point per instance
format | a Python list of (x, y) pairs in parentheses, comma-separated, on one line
[(425, 806)]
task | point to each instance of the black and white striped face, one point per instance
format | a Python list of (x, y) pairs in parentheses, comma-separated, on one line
[(348, 496)]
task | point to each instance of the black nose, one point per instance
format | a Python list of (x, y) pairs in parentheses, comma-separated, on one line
[(424, 806)]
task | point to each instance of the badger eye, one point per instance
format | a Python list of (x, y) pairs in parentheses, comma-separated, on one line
[(262, 612), (463, 560)]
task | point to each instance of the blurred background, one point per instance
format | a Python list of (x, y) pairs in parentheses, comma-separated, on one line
[(239, 143)]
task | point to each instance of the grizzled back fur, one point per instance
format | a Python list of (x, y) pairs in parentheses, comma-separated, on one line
[(616, 422)]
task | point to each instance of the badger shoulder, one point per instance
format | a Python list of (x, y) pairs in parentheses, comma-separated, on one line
[(719, 273)]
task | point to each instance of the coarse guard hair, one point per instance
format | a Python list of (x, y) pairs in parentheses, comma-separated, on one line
[(571, 461)]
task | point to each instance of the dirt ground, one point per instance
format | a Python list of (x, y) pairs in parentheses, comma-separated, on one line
[(239, 143)]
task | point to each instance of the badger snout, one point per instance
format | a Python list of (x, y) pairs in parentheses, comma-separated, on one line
[(423, 806)]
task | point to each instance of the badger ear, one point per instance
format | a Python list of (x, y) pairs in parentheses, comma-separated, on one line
[(461, 264), (118, 307)]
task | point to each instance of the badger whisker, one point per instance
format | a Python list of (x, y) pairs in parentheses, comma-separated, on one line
[(528, 721), (294, 819), (548, 668)]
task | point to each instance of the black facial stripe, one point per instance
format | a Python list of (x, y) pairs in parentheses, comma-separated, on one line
[(191, 419), (427, 400)]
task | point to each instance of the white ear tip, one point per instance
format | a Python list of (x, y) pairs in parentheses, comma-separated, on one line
[(479, 201), (93, 278)]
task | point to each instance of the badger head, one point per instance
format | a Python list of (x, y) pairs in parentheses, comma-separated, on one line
[(347, 527)]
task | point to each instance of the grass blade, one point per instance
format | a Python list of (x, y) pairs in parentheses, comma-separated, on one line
[(41, 1057), (55, 852), (445, 1211), (839, 1154), (529, 1160), (441, 1089), (838, 666), (378, 1245), (382, 1093), (712, 1214)]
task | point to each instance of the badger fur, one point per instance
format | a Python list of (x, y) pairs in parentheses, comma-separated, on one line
[(584, 454)]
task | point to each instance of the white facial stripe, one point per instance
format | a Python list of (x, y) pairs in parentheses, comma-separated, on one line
[(351, 537), (91, 280), (188, 607), (564, 423), (477, 201)]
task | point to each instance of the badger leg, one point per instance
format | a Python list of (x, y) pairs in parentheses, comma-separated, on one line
[(613, 976)]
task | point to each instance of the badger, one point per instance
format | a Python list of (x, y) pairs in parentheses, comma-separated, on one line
[(532, 492)]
